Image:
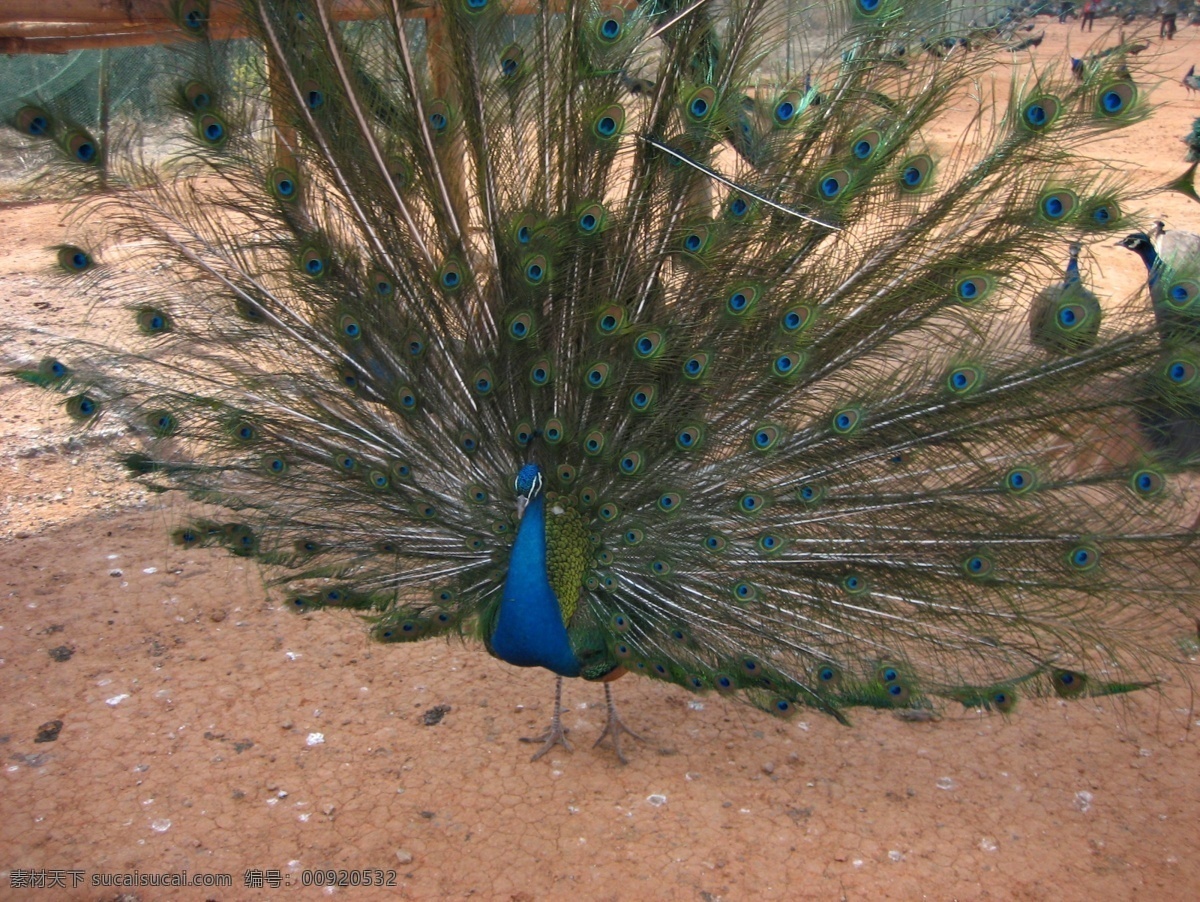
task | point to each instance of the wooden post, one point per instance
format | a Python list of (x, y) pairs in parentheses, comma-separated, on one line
[(102, 85), (453, 155), (285, 132)]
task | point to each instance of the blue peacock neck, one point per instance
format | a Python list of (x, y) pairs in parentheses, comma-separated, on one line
[(529, 629)]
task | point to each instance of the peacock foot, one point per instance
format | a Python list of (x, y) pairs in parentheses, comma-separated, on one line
[(615, 727), (556, 735)]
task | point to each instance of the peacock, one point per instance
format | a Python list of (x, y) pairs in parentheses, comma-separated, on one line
[(615, 339)]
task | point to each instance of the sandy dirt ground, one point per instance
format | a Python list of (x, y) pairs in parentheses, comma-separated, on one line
[(158, 714)]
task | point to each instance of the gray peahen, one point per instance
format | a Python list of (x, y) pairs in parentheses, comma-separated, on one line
[(725, 381)]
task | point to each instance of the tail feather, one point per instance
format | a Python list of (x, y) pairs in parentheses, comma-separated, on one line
[(768, 340)]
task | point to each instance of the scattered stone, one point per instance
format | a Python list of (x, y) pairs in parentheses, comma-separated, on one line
[(404, 856), (768, 768), (48, 732), (217, 616), (61, 653), (435, 714)]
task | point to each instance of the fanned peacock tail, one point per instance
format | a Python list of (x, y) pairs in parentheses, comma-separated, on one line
[(767, 338)]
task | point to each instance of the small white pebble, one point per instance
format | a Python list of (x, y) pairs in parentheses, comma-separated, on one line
[(160, 826), (291, 655), (896, 855), (657, 799), (946, 783), (116, 699), (1083, 801), (303, 818), (694, 705), (315, 739), (150, 570), (988, 844)]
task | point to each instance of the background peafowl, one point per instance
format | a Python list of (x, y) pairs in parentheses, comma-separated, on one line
[(600, 336)]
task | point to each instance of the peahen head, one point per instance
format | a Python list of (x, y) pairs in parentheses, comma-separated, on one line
[(1140, 244), (528, 485)]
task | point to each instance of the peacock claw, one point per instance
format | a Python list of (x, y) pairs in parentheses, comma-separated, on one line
[(614, 727), (556, 735)]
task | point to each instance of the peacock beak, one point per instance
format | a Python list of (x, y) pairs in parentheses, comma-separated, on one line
[(522, 503)]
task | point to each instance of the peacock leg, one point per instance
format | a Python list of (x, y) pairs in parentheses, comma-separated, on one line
[(615, 726), (556, 735)]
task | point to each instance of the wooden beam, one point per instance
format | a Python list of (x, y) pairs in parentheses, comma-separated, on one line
[(58, 26)]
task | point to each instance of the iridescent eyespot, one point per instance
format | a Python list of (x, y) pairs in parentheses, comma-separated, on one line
[(34, 121), (696, 365), (1147, 483), (964, 379), (1116, 98), (510, 61), (689, 438), (854, 584), (701, 104), (1058, 204), (1020, 480), (153, 322), (641, 399), (74, 259), (1083, 558), (1180, 372), (846, 421), (607, 125), (483, 381), (313, 263), (810, 493), (915, 172), (82, 147), (649, 345), (520, 326), (597, 375), (787, 364), (751, 503), (973, 288), (832, 184), (610, 320), (786, 109), (1039, 113), (611, 25), (211, 129), (796, 319), (742, 300), (863, 147), (631, 463), (1068, 683), (1182, 295), (540, 373), (765, 437), (978, 566)]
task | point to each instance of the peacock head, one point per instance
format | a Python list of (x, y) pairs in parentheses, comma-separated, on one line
[(1140, 244), (528, 485)]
